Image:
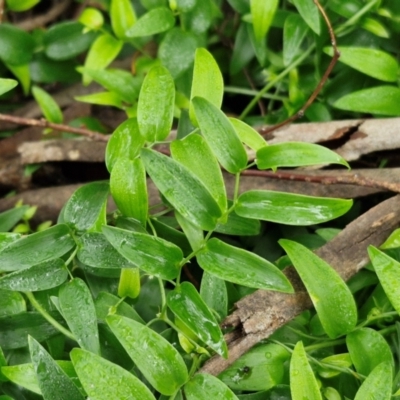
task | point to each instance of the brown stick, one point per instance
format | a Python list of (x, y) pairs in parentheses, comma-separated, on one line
[(260, 314), (59, 127)]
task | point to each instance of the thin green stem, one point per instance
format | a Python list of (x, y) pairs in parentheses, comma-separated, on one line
[(236, 190), (328, 343), (70, 259), (250, 92), (271, 84), (47, 316), (163, 297), (154, 232)]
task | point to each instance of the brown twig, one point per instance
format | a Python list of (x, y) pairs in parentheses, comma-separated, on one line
[(59, 127), (355, 179), (1, 10), (336, 55)]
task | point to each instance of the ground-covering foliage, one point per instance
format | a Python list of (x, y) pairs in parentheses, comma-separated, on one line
[(128, 304)]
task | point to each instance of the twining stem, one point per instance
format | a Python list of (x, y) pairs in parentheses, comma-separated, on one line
[(48, 317)]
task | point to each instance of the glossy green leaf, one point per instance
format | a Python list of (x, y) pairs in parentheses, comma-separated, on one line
[(182, 189), (10, 217), (303, 384), (309, 12), (243, 51), (186, 303), (86, 207), (330, 295), (294, 32), (103, 380), (368, 348), (195, 154), (288, 208), (158, 88), (43, 276), (125, 142), (261, 368), (207, 80), (6, 85), (36, 248), (53, 381), (129, 283), (215, 294), (23, 375), (241, 266), (199, 18), (47, 104), (237, 225), (77, 307), (378, 385), (376, 27), (151, 254), (92, 18), (16, 45), (65, 40), (20, 5), (6, 238), (381, 100), (193, 233), (102, 99), (248, 135), (101, 53), (220, 135), (15, 328), (206, 387), (11, 303), (155, 21), (376, 63), (148, 349), (296, 154), (129, 189), (123, 17), (97, 252), (262, 13), (388, 271), (337, 360), (180, 61)]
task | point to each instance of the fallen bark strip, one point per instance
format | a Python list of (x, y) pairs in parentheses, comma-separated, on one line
[(260, 314)]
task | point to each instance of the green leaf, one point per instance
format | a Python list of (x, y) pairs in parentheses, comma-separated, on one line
[(381, 100), (193, 233), (103, 99), (101, 53), (248, 135), (206, 387), (290, 209), (48, 106), (242, 267), (92, 18), (154, 356), (16, 45), (237, 225), (195, 154), (186, 303), (199, 18), (296, 154), (158, 88), (151, 254), (368, 348), (207, 80), (261, 368), (378, 385), (129, 190), (125, 142), (54, 383), (36, 248), (303, 384), (243, 51), (23, 375), (86, 207), (6, 85), (11, 303), (180, 61), (10, 217), (330, 295), (39, 277), (77, 307), (129, 283), (123, 17), (220, 135), (294, 32), (309, 12), (20, 5), (66, 40), (215, 294), (103, 380), (155, 21), (182, 189), (262, 13), (96, 252), (22, 73), (388, 271), (372, 62), (7, 238)]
